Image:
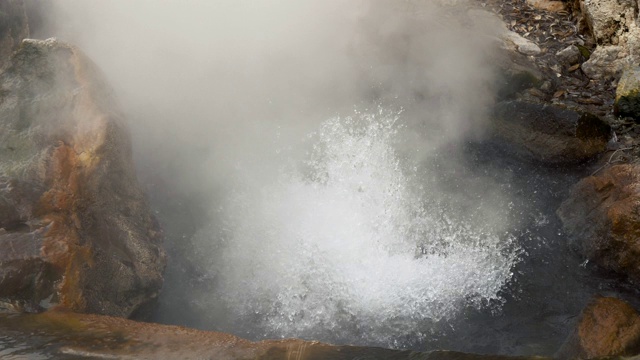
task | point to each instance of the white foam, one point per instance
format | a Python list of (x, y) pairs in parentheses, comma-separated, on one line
[(351, 244)]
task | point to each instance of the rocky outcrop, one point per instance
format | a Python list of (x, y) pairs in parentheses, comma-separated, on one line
[(628, 94), (606, 327), (75, 230), (549, 133), (614, 26), (602, 216), (13, 28), (609, 20)]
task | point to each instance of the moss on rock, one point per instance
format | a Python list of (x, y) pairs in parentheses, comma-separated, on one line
[(627, 101)]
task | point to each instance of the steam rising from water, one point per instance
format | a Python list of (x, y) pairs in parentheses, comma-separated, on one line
[(350, 243)]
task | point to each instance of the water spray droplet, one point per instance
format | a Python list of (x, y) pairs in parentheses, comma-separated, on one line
[(352, 246)]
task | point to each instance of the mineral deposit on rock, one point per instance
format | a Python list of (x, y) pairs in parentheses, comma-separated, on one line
[(606, 327), (75, 228), (602, 216)]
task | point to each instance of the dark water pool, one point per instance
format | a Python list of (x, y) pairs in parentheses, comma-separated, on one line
[(537, 309)]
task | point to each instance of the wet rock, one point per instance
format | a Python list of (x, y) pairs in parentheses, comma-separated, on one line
[(76, 231), (602, 216), (628, 94), (64, 335), (569, 55), (513, 78), (549, 133), (13, 28), (606, 327)]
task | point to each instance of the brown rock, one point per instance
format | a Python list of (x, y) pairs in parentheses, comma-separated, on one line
[(76, 231), (65, 335), (607, 327), (13, 28), (547, 5), (549, 133), (602, 215)]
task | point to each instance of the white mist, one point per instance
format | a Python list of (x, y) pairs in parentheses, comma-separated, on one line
[(348, 242)]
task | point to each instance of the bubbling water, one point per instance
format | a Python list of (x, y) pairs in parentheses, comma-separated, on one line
[(351, 246)]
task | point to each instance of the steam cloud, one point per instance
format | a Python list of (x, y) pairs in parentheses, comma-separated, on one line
[(221, 75), (230, 94)]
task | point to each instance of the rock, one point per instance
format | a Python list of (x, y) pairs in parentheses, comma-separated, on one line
[(547, 5), (506, 38), (614, 26), (606, 62), (513, 80), (602, 217), (515, 73), (608, 20), (627, 101), (520, 44), (549, 133), (569, 55), (58, 335), (76, 232), (13, 28), (606, 327)]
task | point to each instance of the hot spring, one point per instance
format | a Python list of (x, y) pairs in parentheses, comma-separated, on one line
[(349, 244), (354, 239), (323, 170)]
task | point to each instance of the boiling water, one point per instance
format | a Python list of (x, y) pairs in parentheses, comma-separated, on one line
[(350, 246)]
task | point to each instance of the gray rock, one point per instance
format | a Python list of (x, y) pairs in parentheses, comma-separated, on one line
[(520, 44), (614, 26), (76, 230), (569, 55), (513, 78), (606, 62), (550, 134), (627, 101), (608, 20)]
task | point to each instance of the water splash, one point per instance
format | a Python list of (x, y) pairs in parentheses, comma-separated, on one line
[(350, 246)]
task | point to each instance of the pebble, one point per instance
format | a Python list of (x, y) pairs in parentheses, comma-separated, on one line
[(521, 44)]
